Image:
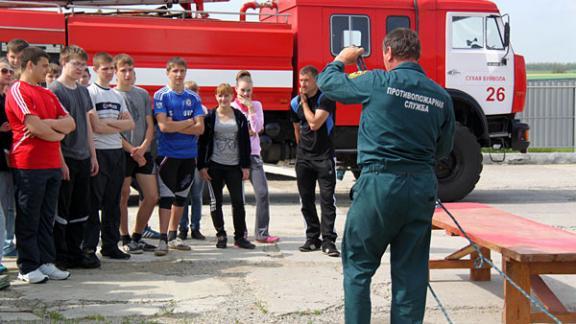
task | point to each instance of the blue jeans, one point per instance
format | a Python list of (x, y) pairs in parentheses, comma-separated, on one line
[(7, 212), (195, 200)]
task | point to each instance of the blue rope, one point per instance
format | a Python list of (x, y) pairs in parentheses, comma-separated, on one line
[(440, 305)]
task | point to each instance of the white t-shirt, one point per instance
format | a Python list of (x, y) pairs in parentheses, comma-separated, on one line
[(109, 105)]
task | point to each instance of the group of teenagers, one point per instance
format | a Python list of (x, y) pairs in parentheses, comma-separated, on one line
[(74, 150)]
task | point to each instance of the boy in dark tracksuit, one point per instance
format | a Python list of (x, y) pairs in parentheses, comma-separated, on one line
[(79, 164), (312, 115), (407, 121), (108, 118)]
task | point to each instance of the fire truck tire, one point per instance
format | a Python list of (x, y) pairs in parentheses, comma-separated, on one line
[(460, 171)]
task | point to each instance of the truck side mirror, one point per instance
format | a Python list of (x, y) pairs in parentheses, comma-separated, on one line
[(506, 34)]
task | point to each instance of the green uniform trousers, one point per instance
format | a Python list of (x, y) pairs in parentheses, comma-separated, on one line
[(389, 207)]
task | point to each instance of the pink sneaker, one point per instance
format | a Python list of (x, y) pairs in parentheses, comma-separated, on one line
[(269, 239)]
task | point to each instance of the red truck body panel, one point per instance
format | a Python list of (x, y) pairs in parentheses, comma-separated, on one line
[(34, 26)]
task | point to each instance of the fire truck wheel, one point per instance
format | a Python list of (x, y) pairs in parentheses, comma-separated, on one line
[(459, 172)]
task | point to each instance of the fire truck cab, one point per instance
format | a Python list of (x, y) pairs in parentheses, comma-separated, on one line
[(465, 48)]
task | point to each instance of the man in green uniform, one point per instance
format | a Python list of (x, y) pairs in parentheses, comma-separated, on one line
[(407, 121)]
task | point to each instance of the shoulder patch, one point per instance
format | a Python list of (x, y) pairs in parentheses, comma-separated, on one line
[(356, 74)]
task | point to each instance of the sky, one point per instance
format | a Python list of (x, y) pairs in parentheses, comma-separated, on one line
[(541, 30)]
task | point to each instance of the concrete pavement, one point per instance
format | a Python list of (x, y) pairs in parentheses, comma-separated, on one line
[(279, 284)]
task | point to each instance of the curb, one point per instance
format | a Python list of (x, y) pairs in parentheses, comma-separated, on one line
[(529, 158)]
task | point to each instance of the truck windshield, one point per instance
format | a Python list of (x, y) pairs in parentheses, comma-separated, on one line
[(494, 33), (467, 32)]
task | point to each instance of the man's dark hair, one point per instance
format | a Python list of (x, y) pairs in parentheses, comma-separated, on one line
[(17, 45), (32, 54), (122, 59), (404, 43), (175, 61), (72, 51), (101, 58), (309, 70)]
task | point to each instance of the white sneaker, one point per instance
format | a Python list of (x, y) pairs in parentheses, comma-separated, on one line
[(33, 277), (53, 272), (162, 249), (178, 244)]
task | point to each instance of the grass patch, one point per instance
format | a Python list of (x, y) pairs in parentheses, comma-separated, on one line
[(55, 316), (96, 318), (129, 320), (261, 306), (308, 312), (168, 308), (532, 150), (551, 149), (544, 75)]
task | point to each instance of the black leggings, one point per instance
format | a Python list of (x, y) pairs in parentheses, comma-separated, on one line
[(231, 176)]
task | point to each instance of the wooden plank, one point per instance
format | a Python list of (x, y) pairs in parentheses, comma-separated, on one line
[(546, 295), (450, 264), (482, 274), (543, 318), (514, 236), (516, 306), (553, 267), (460, 253)]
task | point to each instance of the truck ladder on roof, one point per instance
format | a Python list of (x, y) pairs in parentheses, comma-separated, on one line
[(64, 3)]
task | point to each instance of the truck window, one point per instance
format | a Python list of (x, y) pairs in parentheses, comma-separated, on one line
[(467, 32), (494, 36), (347, 30), (393, 22)]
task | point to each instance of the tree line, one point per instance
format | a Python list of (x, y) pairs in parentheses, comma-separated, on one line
[(551, 67)]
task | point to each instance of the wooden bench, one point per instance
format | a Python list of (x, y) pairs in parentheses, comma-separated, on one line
[(528, 250)]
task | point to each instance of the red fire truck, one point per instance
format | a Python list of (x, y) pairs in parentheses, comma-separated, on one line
[(465, 48)]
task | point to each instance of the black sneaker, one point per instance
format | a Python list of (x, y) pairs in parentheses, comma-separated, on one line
[(132, 247), (329, 248), (89, 261), (222, 241), (183, 235), (244, 244), (116, 254), (146, 247), (311, 245), (197, 235)]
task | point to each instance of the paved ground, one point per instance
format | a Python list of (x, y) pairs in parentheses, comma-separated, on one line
[(278, 284)]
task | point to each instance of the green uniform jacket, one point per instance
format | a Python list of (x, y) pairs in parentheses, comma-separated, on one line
[(407, 119)]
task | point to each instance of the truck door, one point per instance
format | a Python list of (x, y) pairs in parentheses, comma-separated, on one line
[(475, 60)]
